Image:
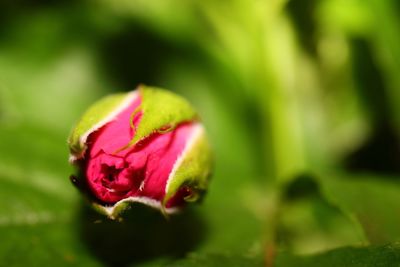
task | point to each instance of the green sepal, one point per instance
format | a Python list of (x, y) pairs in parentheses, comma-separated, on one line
[(115, 211), (194, 170), (112, 212), (94, 118), (162, 111)]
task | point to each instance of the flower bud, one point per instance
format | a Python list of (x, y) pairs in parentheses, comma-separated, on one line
[(144, 146)]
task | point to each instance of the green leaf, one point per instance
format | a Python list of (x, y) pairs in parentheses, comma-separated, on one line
[(218, 260), (369, 200), (373, 256), (339, 210), (309, 223), (37, 208)]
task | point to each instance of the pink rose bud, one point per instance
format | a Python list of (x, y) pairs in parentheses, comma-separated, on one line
[(145, 146)]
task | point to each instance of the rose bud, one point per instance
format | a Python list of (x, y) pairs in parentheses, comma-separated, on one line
[(144, 146)]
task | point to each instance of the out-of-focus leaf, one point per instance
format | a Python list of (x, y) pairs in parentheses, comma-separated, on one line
[(38, 205), (339, 210), (309, 223), (38, 229), (37, 212), (217, 260), (372, 201), (373, 256)]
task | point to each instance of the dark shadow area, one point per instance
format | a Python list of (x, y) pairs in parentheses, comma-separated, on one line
[(302, 16), (137, 55), (143, 234), (381, 152), (26, 4), (303, 186), (397, 7), (10, 9), (370, 82), (46, 28)]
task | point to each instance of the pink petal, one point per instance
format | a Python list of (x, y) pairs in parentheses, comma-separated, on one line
[(140, 171)]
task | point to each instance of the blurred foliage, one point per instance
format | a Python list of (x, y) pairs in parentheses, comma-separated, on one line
[(301, 100)]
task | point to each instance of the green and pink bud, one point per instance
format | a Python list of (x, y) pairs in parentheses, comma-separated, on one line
[(144, 146)]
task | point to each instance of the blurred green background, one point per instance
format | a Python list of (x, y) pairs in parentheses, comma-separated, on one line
[(301, 100)]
